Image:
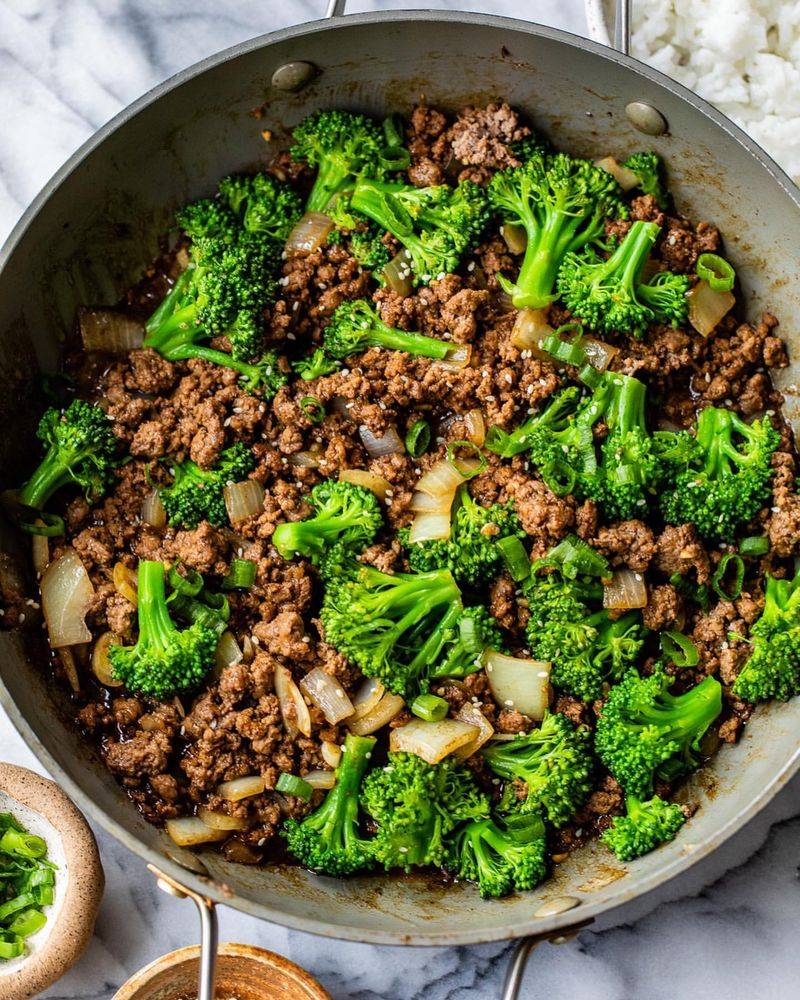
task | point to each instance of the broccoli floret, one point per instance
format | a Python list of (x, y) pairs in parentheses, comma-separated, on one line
[(315, 366), (328, 841), (562, 202), (470, 553), (644, 730), (729, 482), (262, 204), (501, 855), (343, 147), (345, 514), (356, 326), (610, 295), (80, 449), (436, 225), (646, 825), (364, 237), (773, 668), (416, 806), (555, 762), (390, 626), (575, 559), (196, 494), (474, 631), (649, 169), (165, 660)]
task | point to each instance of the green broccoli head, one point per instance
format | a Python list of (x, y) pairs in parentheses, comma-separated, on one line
[(344, 513), (649, 169), (462, 653), (81, 448), (555, 762), (416, 806), (644, 729), (165, 660), (316, 365), (328, 840), (262, 204), (773, 668), (356, 326), (501, 855), (646, 825), (196, 494)]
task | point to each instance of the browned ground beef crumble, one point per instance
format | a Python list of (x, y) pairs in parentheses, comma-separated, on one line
[(170, 757)]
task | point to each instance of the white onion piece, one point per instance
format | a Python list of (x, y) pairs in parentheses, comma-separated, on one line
[(360, 477), (109, 331), (475, 427), (398, 274), (294, 710), (598, 353), (327, 694), (153, 512), (625, 590), (442, 479), (320, 779), (376, 447), (515, 237), (304, 460), (241, 788), (67, 593), (427, 526), (243, 500), (101, 665), (330, 753), (473, 716), (519, 683), (309, 233), (530, 328), (228, 652), (624, 176), (367, 697), (456, 359), (432, 741), (125, 582), (188, 831), (221, 821), (424, 503), (40, 553), (707, 307), (67, 657), (387, 708)]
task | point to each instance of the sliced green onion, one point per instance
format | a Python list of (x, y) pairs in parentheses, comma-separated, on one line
[(11, 946), (189, 583), (290, 784), (26, 885), (729, 576), (429, 707), (25, 844), (28, 922), (418, 438), (313, 409), (453, 458), (590, 376), (241, 575), (21, 902), (716, 271), (559, 477), (394, 155), (680, 649), (515, 557), (571, 352), (755, 545)]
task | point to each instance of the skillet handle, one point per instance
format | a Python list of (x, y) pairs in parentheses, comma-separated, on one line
[(521, 954), (335, 8), (622, 25)]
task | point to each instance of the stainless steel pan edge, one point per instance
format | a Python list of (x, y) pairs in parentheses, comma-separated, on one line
[(745, 777)]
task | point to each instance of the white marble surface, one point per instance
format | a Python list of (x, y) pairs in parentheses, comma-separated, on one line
[(728, 928)]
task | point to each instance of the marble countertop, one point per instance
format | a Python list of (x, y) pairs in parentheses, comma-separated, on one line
[(727, 928)]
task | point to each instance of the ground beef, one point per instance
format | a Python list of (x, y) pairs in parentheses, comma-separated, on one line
[(203, 548), (482, 136), (679, 550), (627, 543), (145, 755), (682, 243), (664, 609)]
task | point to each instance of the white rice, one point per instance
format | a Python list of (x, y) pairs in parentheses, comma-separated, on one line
[(741, 55)]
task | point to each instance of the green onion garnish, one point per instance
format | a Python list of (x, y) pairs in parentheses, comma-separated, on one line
[(189, 583), (27, 881), (454, 461), (715, 270), (571, 352), (680, 649), (313, 409), (515, 557), (429, 707), (729, 576), (755, 545), (241, 575), (590, 376), (290, 784), (418, 438)]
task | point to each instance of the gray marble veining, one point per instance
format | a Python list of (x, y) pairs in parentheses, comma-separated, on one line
[(727, 928)]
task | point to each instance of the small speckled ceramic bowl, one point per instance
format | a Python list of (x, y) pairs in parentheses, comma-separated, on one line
[(43, 809), (243, 973)]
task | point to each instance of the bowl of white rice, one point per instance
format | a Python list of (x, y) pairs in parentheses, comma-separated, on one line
[(743, 56)]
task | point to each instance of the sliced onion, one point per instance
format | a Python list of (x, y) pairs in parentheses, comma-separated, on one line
[(304, 460), (625, 590), (151, 723), (376, 447), (367, 697), (67, 657), (243, 500), (424, 503), (153, 512), (624, 176), (294, 710), (101, 665), (330, 753), (220, 820), (515, 237), (320, 779), (327, 694), (228, 652), (398, 274), (360, 477), (707, 307), (475, 427), (188, 831), (432, 741), (309, 233), (387, 708), (530, 328), (456, 359), (40, 553), (109, 331), (241, 788), (67, 593), (519, 683), (473, 716), (429, 526), (598, 353), (442, 479), (125, 583)]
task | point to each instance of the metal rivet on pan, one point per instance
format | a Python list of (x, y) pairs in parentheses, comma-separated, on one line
[(559, 904), (294, 75), (645, 118), (187, 860)]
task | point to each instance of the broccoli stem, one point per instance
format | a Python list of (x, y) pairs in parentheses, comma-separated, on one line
[(546, 246), (155, 624), (50, 476), (186, 351), (382, 335)]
